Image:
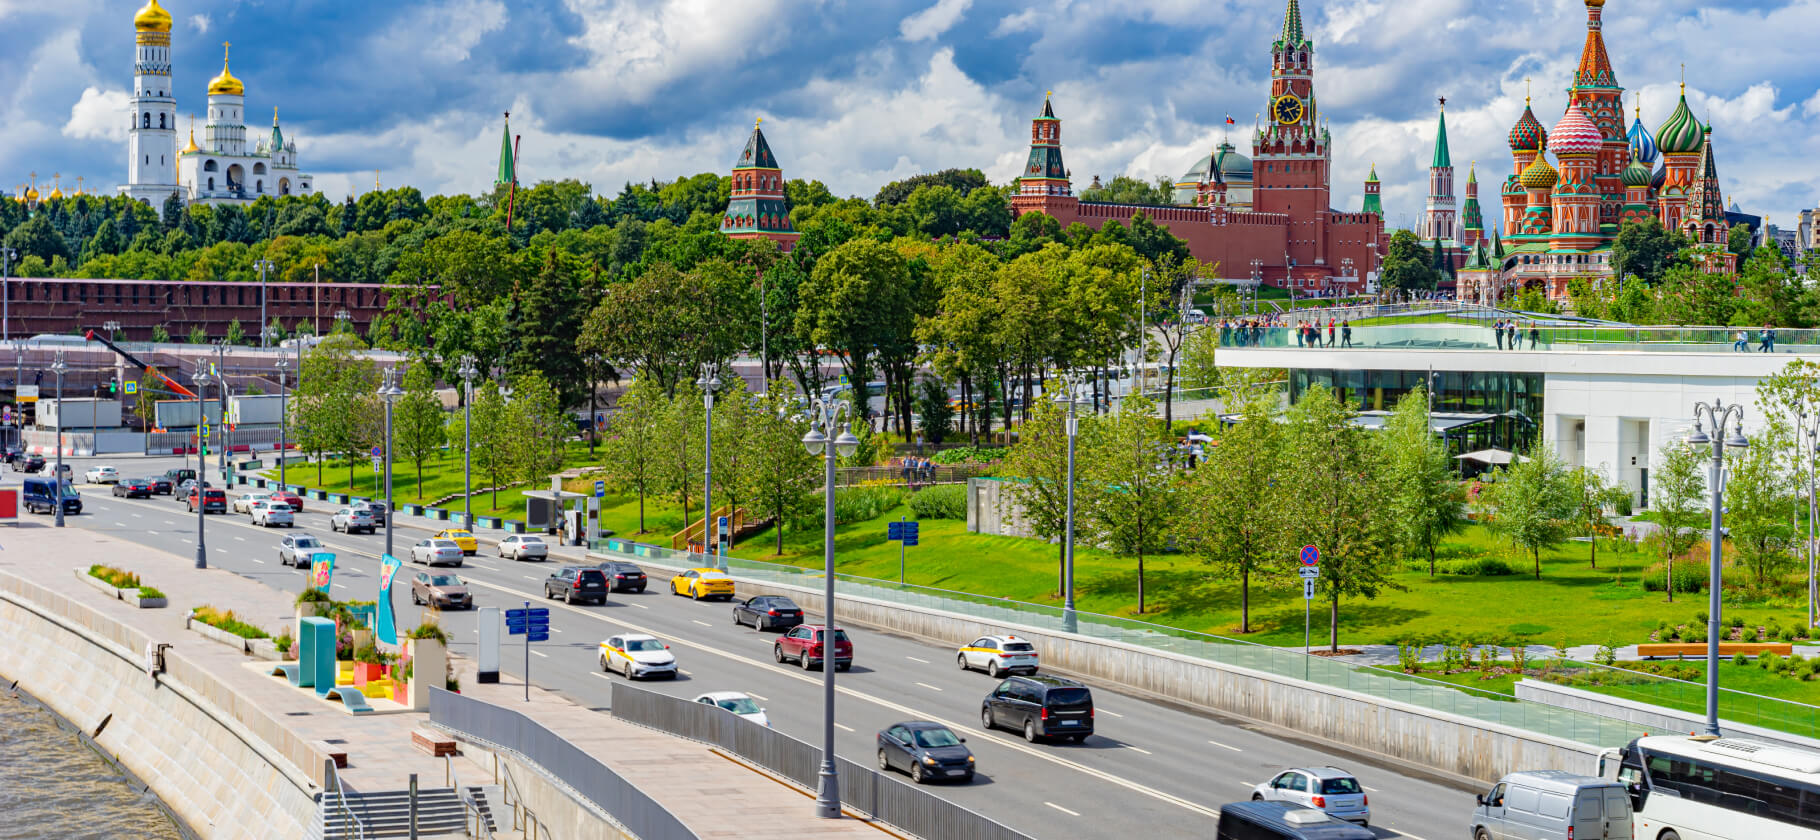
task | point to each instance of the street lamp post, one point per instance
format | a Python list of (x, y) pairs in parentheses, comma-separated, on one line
[(111, 327), (221, 462), (468, 374), (6, 292), (202, 379), (1070, 381), (1723, 418), (389, 392), (59, 368), (284, 417), (709, 382), (1810, 430), (825, 419), (264, 325)]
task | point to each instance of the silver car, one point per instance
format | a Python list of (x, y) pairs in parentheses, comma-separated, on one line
[(433, 552), (295, 549), (524, 547), (1327, 789), (268, 513), (349, 520)]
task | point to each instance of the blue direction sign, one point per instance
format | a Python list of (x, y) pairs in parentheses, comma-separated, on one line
[(533, 622), (902, 531), (600, 489)]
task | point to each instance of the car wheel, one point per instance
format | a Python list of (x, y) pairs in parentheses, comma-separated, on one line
[(1030, 730), (992, 670), (568, 596), (916, 773), (842, 667), (777, 652), (986, 721), (803, 660), (416, 600), (884, 762), (694, 594), (960, 661), (628, 670), (1258, 797), (739, 622), (1479, 834), (604, 667), (1666, 835)]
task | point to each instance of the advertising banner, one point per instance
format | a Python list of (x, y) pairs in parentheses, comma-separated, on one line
[(322, 570), (387, 631)]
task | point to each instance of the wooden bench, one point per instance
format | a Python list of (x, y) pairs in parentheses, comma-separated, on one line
[(1725, 649), (434, 743), (335, 753)]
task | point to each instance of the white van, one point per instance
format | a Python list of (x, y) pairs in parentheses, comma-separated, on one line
[(1552, 805)]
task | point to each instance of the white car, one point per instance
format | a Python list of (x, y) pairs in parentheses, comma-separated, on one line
[(524, 547), (433, 551), (268, 513), (737, 702), (998, 655), (637, 656), (1327, 789), (245, 503), (349, 520), (101, 475)]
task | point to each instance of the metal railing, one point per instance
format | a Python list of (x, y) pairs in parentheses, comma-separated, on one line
[(864, 789), (524, 820), (341, 798), (1791, 716), (894, 474), (502, 728), (469, 806), (1577, 338)]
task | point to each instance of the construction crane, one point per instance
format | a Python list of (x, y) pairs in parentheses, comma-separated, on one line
[(154, 372)]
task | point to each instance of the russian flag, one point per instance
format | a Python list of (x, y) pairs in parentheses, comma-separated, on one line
[(1229, 120)]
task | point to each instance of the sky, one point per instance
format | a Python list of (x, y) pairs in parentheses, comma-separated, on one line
[(857, 93)]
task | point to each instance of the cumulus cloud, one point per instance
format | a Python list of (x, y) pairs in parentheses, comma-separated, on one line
[(934, 20), (436, 38), (200, 23), (97, 116)]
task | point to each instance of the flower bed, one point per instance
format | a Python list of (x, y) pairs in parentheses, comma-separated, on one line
[(227, 621), (122, 586)]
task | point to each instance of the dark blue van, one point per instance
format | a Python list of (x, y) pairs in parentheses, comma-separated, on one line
[(1260, 820), (39, 495)]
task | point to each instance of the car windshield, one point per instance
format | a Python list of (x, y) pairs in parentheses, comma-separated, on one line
[(306, 542), (533, 539), (1069, 697), (739, 705), (459, 534), (1341, 785), (445, 580), (935, 738), (644, 644), (1022, 647), (443, 544)]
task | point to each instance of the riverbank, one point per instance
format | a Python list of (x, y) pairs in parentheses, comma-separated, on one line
[(54, 783)]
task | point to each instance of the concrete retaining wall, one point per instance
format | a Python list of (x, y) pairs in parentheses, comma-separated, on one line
[(1465, 748), (534, 796), (1655, 719), (199, 755)]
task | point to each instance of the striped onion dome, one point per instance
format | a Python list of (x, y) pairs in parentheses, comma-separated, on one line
[(1539, 175), (1642, 145), (1527, 135), (1637, 174), (1681, 134), (1575, 134)]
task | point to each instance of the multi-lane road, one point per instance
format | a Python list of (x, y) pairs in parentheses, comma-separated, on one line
[(1167, 767)]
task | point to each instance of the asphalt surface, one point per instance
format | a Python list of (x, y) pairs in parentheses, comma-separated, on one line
[(1169, 767)]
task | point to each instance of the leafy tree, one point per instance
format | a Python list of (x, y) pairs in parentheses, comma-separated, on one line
[(1124, 189), (738, 418), (492, 438), (1132, 489), (1645, 250), (1333, 496), (1676, 500), (160, 334), (1233, 518), (37, 238), (1593, 494), (1688, 295), (1532, 501), (938, 414), (418, 425), (854, 301), (682, 450), (783, 476), (546, 325), (961, 181), (631, 450), (1036, 469), (1408, 265), (198, 335), (539, 427), (333, 404), (1738, 240), (1760, 512), (1426, 501)]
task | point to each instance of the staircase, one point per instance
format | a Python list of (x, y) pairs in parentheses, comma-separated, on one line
[(440, 812)]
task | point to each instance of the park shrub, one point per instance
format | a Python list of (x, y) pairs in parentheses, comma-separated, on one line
[(1409, 656), (1701, 617), (1689, 577), (284, 642), (1694, 635), (312, 595), (116, 578), (858, 504), (947, 501), (430, 630), (1476, 566), (1737, 621), (1790, 634), (228, 621), (1519, 657), (1767, 661), (150, 592), (969, 454), (1607, 654), (1740, 659)]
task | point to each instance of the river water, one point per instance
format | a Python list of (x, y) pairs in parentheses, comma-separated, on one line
[(52, 786)]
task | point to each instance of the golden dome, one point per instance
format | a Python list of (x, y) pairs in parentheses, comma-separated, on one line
[(226, 83), (192, 148), (31, 193), (56, 194), (152, 18)]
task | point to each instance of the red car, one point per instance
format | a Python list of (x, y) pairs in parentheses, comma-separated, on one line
[(289, 498), (803, 645)]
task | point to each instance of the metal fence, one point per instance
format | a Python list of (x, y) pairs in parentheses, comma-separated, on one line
[(863, 788), (1547, 337), (939, 474), (501, 727)]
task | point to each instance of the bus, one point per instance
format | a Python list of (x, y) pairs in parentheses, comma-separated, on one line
[(1699, 788)]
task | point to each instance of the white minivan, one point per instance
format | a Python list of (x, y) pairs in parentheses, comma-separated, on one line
[(1552, 805)]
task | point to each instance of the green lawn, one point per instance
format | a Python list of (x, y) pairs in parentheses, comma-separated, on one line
[(442, 475)]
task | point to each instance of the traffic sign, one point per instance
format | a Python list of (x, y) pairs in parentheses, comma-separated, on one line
[(376, 451), (533, 623), (376, 464), (132, 388), (1310, 572), (843, 379), (1307, 592), (600, 489), (205, 430), (902, 531), (1310, 555)]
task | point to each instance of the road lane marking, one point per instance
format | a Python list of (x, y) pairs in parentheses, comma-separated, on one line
[(340, 586), (151, 533), (257, 560), (758, 697), (844, 727), (641, 606), (186, 541), (700, 622), (1063, 810), (1224, 746), (1105, 712), (540, 653), (528, 577), (1138, 749), (242, 539), (556, 630), (602, 675), (914, 659), (169, 522), (928, 686), (1405, 834), (138, 516)]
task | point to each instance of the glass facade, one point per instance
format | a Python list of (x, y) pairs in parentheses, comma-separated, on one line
[(1515, 400)]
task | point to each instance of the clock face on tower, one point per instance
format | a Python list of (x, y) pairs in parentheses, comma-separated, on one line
[(1287, 109)]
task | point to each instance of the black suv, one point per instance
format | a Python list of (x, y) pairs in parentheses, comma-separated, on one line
[(29, 464), (576, 583), (624, 577), (1042, 706)]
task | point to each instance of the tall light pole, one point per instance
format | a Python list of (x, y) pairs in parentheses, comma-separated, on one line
[(59, 368), (468, 374), (1723, 418), (221, 423), (111, 327), (1812, 432), (6, 292), (264, 324), (284, 418), (389, 392), (1070, 381), (825, 420), (709, 382), (202, 379)]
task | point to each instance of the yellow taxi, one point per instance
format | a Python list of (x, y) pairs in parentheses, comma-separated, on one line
[(463, 538), (998, 655), (702, 583)]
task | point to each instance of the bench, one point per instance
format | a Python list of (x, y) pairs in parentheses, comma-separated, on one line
[(1725, 649), (350, 697), (335, 754), (287, 670), (434, 744)]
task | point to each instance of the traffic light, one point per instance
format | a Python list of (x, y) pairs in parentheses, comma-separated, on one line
[(113, 388)]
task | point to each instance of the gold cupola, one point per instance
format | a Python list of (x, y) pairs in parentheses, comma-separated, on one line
[(226, 84), (191, 148), (152, 18)]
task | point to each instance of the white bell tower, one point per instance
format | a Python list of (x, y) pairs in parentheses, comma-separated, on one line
[(151, 170)]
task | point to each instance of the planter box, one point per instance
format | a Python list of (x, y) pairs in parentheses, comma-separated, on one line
[(366, 672), (439, 514), (515, 527), (105, 587), (133, 597), (429, 665), (217, 634), (259, 483), (265, 649), (401, 693)]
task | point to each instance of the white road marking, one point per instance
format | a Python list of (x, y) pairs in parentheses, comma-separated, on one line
[(1138, 749), (340, 586), (914, 659), (1063, 810), (759, 697), (843, 727), (602, 675), (151, 533), (169, 522), (138, 516), (1369, 788), (928, 686), (186, 541), (1105, 712), (555, 630), (641, 606), (242, 539), (540, 653), (1407, 834), (257, 560), (528, 577), (1224, 746), (700, 622), (684, 673)]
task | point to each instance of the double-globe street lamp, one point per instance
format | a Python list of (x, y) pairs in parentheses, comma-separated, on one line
[(265, 330), (1728, 430), (202, 380), (709, 382), (468, 374), (1071, 380), (1808, 427), (828, 435), (389, 392), (59, 368)]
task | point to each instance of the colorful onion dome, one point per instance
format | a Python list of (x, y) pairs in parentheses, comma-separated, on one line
[(1527, 135), (1660, 177), (152, 18), (1642, 145), (1637, 174), (1539, 175), (1681, 134), (1575, 134), (226, 83)]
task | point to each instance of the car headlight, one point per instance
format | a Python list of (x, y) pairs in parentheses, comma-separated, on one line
[(969, 759), (929, 761)]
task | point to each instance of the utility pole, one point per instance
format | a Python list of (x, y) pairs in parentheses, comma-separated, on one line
[(6, 292), (264, 332)]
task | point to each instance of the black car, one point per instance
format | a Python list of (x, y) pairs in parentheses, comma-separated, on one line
[(624, 577), (177, 476), (576, 583), (1283, 821), (765, 612), (133, 488), (160, 486), (29, 463), (1042, 706), (927, 751)]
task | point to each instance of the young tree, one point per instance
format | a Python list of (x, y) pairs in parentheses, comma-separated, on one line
[(784, 476), (1233, 514), (1132, 490), (938, 414), (1678, 504), (492, 438), (418, 427), (160, 334), (1426, 501), (1532, 501), (1036, 469), (681, 450), (539, 428), (198, 335), (1592, 494), (631, 450), (1759, 511), (737, 418), (1333, 498)]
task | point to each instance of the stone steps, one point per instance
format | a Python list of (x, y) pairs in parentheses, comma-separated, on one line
[(440, 811)]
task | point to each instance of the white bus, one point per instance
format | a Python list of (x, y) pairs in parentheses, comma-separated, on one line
[(1684, 788)]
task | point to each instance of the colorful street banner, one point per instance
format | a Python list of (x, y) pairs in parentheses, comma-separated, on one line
[(387, 631), (322, 569)]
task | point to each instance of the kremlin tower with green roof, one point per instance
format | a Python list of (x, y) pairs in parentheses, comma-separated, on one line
[(757, 208)]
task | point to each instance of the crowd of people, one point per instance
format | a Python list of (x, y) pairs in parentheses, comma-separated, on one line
[(1250, 332), (1510, 336)]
